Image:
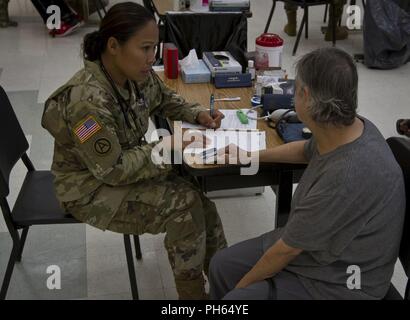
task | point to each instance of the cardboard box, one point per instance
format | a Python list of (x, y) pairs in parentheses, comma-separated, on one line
[(221, 62)]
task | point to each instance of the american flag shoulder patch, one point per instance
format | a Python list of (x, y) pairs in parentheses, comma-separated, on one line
[(86, 129)]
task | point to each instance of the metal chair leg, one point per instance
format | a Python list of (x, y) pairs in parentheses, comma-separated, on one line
[(99, 5), (131, 268), (295, 48), (9, 271), (137, 246), (270, 16), (22, 242), (102, 6), (307, 22), (333, 23), (99, 14)]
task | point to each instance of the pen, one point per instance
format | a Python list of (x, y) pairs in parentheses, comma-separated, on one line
[(211, 105), (229, 99), (209, 153)]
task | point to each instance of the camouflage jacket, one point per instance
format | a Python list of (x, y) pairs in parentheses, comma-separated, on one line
[(93, 144)]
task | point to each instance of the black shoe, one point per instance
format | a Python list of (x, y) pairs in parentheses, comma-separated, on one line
[(403, 127)]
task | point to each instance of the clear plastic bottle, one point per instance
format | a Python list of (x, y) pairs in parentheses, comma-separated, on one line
[(251, 69)]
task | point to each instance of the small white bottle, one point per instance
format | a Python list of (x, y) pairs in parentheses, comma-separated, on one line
[(251, 69), (258, 86), (179, 5)]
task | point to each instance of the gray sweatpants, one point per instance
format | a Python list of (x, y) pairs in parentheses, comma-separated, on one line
[(229, 265)]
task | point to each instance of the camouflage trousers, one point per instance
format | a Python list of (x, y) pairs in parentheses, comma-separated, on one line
[(338, 6), (177, 207)]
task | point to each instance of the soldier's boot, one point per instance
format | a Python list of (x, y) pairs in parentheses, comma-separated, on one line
[(290, 28), (341, 32), (4, 15), (191, 289)]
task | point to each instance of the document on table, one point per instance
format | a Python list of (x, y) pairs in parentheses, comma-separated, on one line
[(250, 141), (231, 121)]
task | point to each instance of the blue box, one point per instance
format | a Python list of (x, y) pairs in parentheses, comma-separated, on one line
[(233, 80), (198, 74)]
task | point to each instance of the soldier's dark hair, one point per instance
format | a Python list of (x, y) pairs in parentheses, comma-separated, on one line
[(331, 76), (120, 22)]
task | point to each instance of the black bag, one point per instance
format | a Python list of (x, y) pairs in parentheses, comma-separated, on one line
[(386, 33)]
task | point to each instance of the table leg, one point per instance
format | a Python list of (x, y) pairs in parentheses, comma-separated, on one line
[(283, 198)]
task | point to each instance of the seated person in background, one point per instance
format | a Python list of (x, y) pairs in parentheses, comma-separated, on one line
[(348, 209), (70, 20), (341, 32), (403, 127)]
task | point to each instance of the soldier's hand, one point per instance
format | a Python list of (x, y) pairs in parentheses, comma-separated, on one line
[(205, 119)]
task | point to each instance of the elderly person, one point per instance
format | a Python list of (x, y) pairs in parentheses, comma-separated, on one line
[(344, 229)]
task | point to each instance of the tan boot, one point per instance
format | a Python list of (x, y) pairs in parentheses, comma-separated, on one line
[(191, 289), (290, 28), (341, 33), (4, 15)]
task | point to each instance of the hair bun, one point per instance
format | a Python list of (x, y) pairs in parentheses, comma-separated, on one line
[(93, 45)]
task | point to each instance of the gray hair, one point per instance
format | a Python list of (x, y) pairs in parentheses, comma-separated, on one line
[(331, 77)]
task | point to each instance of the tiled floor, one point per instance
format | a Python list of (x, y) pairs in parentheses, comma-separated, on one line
[(32, 65)]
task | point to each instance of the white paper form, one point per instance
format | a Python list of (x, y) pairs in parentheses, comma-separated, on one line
[(231, 121), (247, 140), (250, 141)]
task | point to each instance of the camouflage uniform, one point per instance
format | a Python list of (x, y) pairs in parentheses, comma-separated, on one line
[(104, 175)]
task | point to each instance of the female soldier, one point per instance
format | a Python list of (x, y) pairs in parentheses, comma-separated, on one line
[(104, 174)]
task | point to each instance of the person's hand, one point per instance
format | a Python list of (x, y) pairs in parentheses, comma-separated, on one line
[(243, 283), (205, 119), (232, 154)]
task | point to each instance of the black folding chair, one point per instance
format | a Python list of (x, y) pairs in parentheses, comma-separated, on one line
[(401, 151), (305, 5), (150, 5), (100, 5), (36, 203)]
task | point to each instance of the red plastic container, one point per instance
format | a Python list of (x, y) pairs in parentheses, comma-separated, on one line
[(269, 47), (170, 58)]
